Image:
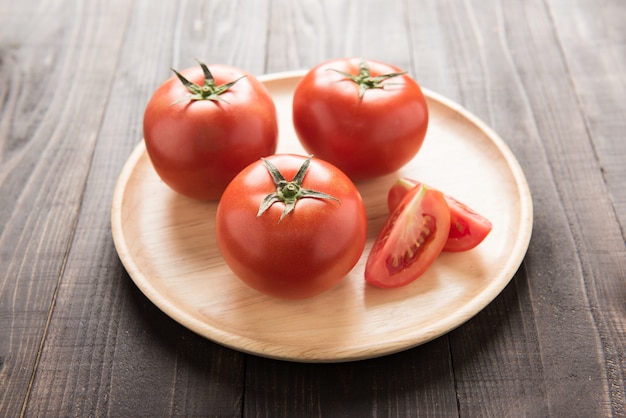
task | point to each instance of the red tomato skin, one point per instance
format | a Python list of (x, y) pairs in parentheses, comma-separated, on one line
[(197, 147), (467, 227), (421, 208), (311, 249), (367, 137)]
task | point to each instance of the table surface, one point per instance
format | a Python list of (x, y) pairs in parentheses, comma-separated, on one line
[(78, 338)]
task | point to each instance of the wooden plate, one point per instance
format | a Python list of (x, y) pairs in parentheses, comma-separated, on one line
[(167, 244)]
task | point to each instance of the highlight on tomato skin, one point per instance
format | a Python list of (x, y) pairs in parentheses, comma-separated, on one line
[(411, 239), (468, 228)]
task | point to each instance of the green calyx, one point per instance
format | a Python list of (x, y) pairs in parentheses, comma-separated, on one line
[(289, 192), (365, 80), (209, 90)]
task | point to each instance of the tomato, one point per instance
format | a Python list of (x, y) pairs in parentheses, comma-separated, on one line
[(467, 227), (366, 117), (202, 129), (291, 227), (411, 239)]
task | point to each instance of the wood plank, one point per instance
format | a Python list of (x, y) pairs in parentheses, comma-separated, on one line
[(224, 32), (49, 122), (434, 47), (304, 35), (594, 48), (502, 340), (595, 52), (419, 386), (113, 351), (496, 365), (514, 85), (548, 77)]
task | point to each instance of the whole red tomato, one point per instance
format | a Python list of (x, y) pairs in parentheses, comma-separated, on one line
[(201, 127), (290, 226), (366, 117)]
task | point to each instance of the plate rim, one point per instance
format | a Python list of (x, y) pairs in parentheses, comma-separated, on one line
[(466, 312)]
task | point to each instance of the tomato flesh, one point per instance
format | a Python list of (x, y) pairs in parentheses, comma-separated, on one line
[(411, 239), (467, 227)]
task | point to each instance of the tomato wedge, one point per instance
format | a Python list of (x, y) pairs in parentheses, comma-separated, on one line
[(411, 239), (467, 227)]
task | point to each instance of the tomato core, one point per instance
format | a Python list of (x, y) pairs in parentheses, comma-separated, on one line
[(398, 262)]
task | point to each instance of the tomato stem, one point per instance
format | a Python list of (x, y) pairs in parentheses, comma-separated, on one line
[(209, 90), (365, 80), (289, 192)]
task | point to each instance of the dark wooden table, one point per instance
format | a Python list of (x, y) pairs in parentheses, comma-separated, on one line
[(77, 338)]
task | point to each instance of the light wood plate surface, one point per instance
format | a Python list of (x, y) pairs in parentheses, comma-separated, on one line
[(167, 244)]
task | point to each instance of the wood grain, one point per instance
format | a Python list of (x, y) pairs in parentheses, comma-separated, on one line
[(167, 244), (421, 385), (122, 362), (49, 130), (77, 338), (532, 76), (593, 47), (573, 171)]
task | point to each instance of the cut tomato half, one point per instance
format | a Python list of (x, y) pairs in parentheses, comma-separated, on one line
[(467, 227), (411, 239)]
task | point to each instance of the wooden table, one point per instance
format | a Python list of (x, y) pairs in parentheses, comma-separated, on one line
[(77, 337)]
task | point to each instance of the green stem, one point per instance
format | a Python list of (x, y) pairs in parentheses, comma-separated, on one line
[(289, 192), (209, 90), (365, 80)]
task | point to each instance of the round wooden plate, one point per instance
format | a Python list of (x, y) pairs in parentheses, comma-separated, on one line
[(167, 244)]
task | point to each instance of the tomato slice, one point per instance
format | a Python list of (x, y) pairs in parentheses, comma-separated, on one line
[(411, 239), (467, 227)]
